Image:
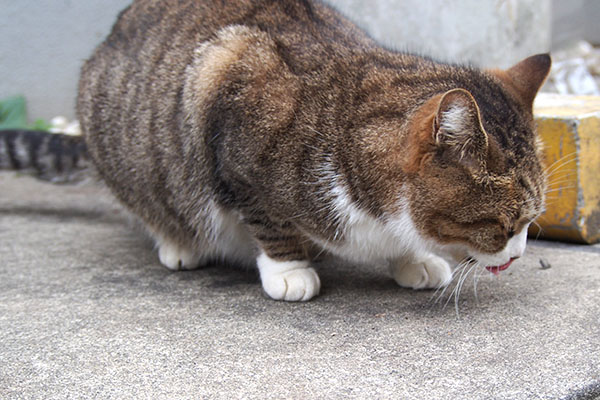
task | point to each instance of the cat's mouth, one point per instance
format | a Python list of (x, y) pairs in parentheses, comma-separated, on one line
[(496, 270)]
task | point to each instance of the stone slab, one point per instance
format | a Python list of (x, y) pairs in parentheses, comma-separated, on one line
[(569, 126), (86, 311)]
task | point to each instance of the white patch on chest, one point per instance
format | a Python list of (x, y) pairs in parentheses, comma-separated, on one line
[(363, 238)]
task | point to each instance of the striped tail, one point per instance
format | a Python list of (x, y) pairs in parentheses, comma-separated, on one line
[(53, 157)]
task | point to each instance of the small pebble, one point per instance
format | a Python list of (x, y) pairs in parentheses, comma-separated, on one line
[(545, 264)]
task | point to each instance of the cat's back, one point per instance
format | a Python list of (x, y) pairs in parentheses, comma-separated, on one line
[(133, 101), (169, 21), (134, 81), (166, 32)]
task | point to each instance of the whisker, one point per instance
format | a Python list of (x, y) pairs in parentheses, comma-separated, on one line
[(540, 229), (562, 172), (565, 159), (469, 271), (561, 167), (476, 276), (561, 175), (437, 290), (551, 200), (555, 188), (443, 290), (561, 182), (560, 189), (460, 285), (454, 291), (440, 295), (458, 268)]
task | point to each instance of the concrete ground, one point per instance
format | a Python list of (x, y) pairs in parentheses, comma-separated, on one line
[(86, 311)]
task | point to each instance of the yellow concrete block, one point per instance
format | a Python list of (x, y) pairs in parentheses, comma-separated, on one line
[(570, 129)]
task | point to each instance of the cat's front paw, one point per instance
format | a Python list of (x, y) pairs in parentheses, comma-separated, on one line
[(430, 272), (178, 258), (288, 280)]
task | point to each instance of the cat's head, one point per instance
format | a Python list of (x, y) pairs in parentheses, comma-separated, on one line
[(477, 180)]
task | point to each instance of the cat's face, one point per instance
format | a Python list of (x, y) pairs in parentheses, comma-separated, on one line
[(484, 217), (480, 183)]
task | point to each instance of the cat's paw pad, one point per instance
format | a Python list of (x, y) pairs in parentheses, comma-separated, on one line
[(430, 273), (288, 280), (177, 258)]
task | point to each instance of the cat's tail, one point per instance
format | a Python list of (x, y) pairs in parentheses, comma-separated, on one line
[(49, 156)]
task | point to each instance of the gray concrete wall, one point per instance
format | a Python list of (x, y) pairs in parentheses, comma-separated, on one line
[(575, 20), (568, 21), (489, 33), (43, 42), (42, 46)]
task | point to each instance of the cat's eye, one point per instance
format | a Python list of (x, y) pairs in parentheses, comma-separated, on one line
[(511, 233)]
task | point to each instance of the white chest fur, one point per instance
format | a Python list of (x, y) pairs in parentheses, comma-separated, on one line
[(364, 238)]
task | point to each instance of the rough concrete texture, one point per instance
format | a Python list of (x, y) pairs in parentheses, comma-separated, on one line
[(86, 311)]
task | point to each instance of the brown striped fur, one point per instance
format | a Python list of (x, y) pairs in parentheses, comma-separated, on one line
[(219, 119), (54, 157)]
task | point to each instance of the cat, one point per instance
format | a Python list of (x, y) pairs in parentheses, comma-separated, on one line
[(263, 132)]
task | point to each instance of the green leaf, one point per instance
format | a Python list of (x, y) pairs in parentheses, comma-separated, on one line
[(40, 125), (13, 113)]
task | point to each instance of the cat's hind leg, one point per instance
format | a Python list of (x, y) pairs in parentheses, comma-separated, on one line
[(421, 272), (178, 257), (223, 238), (174, 253)]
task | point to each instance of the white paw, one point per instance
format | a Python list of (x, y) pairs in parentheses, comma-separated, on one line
[(288, 280), (430, 273), (177, 258)]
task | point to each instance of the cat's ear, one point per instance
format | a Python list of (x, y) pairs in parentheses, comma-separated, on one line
[(458, 128), (528, 76)]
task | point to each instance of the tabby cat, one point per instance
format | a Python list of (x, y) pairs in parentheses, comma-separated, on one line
[(264, 132)]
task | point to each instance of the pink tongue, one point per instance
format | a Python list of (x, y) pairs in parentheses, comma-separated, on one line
[(496, 270)]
